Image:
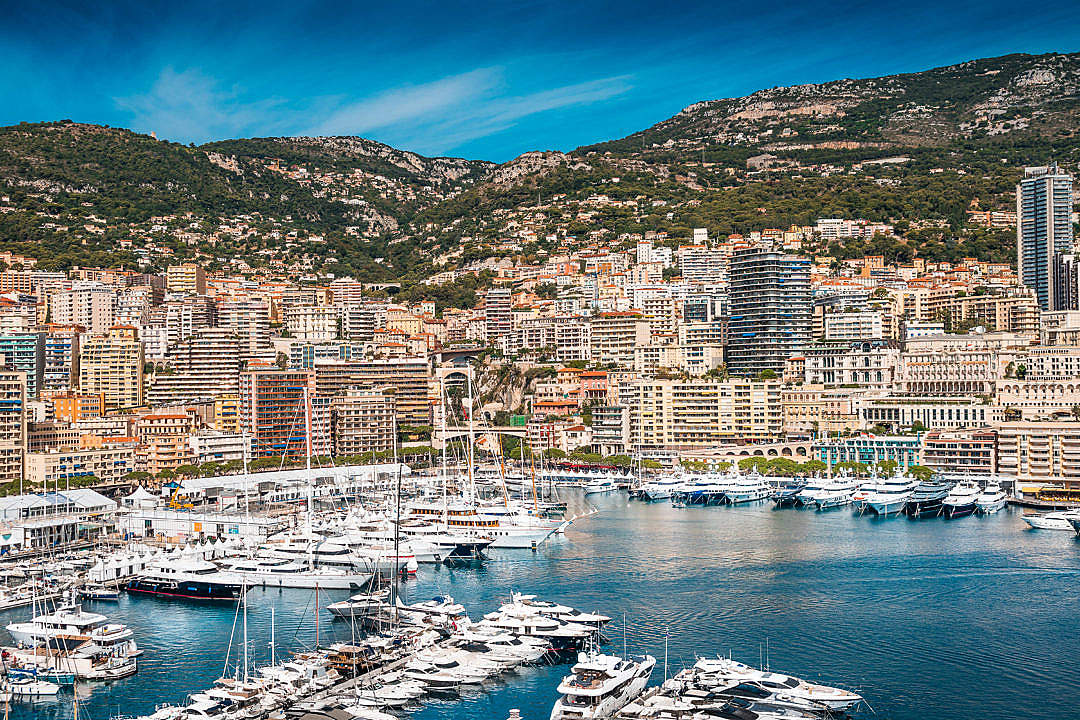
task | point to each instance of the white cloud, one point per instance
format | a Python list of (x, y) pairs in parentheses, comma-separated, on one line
[(190, 106), (432, 118)]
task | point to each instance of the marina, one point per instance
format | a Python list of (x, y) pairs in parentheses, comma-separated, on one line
[(700, 581)]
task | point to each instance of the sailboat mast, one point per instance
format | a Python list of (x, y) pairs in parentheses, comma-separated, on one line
[(272, 660), (244, 591), (444, 403), (469, 460), (310, 491), (397, 519)]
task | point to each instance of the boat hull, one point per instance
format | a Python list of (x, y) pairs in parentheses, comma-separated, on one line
[(185, 590)]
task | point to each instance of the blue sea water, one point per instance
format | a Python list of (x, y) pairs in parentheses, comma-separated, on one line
[(967, 619)]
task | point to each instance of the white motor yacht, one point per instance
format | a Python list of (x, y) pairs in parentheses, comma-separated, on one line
[(991, 499), (1052, 520), (835, 492), (601, 685), (724, 669), (746, 488), (891, 495), (72, 621), (555, 610), (284, 573)]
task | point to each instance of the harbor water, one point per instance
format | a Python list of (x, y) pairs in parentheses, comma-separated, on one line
[(964, 619)]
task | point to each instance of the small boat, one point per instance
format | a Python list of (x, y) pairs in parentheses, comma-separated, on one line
[(678, 504), (28, 688), (990, 500), (99, 592), (1052, 520)]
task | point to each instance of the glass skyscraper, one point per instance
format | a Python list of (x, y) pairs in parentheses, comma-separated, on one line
[(1044, 236)]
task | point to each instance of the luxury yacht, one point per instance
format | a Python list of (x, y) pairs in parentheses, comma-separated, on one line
[(962, 500), (725, 670), (72, 622), (660, 489), (788, 494), (927, 498), (185, 578), (991, 499), (600, 685), (502, 531), (565, 613), (891, 495), (835, 492), (358, 605), (746, 488), (1052, 520), (808, 494), (271, 571)]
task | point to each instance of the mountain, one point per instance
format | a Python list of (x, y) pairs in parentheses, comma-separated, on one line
[(996, 102), (917, 149)]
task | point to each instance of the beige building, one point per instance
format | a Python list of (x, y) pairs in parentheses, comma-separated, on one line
[(819, 410), (112, 364), (684, 414), (108, 464), (615, 335), (1040, 451), (189, 278), (362, 421)]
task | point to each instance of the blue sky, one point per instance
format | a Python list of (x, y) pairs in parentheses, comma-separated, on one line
[(479, 80)]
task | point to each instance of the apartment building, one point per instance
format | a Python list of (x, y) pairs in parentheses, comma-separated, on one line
[(94, 308), (13, 426), (112, 365), (25, 352), (409, 378), (970, 451), (273, 413), (615, 335), (312, 323), (189, 278), (57, 468), (686, 414), (61, 371), (163, 441), (1047, 452), (361, 421), (770, 310), (204, 366), (565, 338), (73, 406), (869, 364)]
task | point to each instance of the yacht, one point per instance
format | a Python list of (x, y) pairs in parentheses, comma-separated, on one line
[(358, 605), (189, 579), (559, 612), (29, 688), (601, 685), (962, 500), (1052, 520), (660, 489), (270, 571), (746, 488), (317, 551), (927, 498), (808, 494), (726, 670), (835, 492), (503, 532), (600, 486), (991, 499), (75, 624), (891, 495), (788, 494)]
